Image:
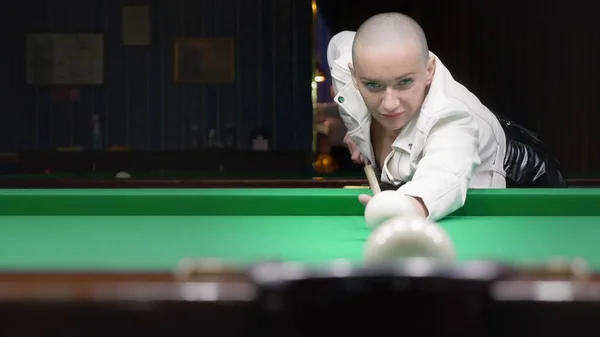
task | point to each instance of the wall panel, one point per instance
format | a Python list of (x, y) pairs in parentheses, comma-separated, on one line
[(140, 105)]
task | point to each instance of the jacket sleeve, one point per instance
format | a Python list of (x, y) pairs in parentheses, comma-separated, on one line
[(448, 159)]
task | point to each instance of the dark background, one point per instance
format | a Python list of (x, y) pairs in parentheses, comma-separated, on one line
[(140, 105), (535, 61)]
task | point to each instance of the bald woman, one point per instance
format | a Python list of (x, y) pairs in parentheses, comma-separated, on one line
[(428, 135)]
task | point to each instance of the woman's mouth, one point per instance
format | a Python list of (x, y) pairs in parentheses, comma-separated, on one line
[(393, 115)]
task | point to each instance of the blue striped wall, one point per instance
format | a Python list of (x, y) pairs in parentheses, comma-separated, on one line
[(140, 105)]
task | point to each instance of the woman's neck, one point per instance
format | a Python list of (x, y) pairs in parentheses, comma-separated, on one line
[(385, 132)]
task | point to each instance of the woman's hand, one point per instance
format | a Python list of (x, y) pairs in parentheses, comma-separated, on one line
[(355, 154)]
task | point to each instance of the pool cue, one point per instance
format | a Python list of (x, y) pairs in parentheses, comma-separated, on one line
[(372, 178)]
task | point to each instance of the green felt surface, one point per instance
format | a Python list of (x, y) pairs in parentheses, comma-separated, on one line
[(130, 243), (154, 229)]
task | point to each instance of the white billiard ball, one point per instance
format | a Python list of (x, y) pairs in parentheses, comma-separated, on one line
[(409, 237), (386, 205)]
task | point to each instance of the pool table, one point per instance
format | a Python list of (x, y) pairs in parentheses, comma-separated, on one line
[(74, 246), (152, 229)]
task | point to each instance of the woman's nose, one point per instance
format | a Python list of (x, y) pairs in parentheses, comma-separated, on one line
[(390, 102)]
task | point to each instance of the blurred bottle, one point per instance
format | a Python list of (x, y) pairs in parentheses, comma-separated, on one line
[(96, 133)]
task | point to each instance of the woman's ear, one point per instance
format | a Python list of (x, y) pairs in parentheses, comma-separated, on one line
[(431, 63), (351, 67)]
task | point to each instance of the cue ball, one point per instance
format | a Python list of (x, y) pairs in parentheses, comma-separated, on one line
[(386, 205), (409, 237)]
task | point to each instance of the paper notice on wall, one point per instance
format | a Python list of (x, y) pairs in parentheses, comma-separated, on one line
[(136, 26), (73, 59)]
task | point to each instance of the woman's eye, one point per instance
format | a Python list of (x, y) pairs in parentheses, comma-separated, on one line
[(372, 85), (406, 82)]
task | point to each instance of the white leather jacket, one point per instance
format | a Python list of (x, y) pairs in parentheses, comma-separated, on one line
[(454, 143)]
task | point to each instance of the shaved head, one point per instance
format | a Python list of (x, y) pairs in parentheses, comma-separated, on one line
[(391, 68), (387, 29)]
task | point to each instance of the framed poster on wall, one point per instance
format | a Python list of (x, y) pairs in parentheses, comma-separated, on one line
[(204, 60)]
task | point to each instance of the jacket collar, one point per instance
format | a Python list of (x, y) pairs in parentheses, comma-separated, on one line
[(404, 140), (351, 102)]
